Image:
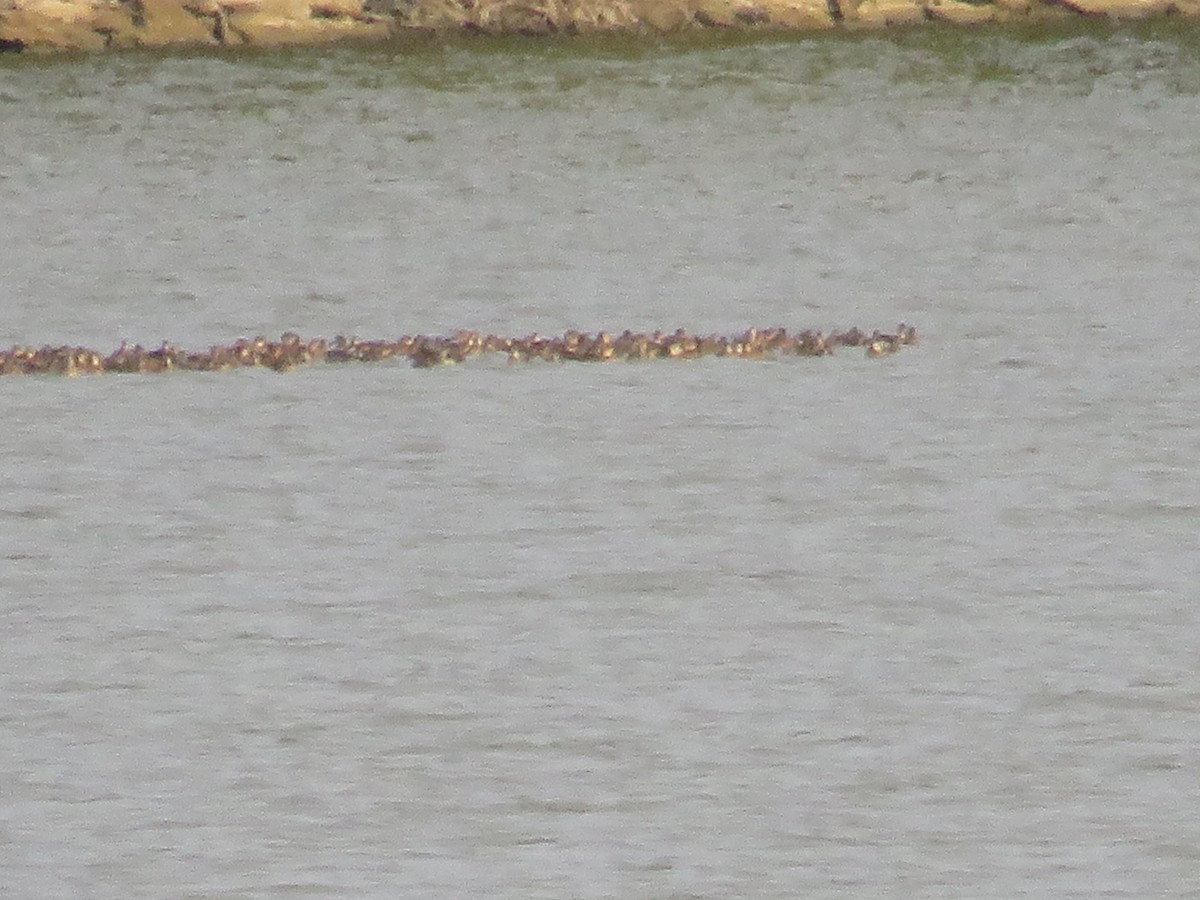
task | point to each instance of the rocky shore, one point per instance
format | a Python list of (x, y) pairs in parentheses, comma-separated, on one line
[(50, 25)]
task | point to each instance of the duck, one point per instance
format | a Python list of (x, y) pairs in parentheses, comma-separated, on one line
[(426, 351)]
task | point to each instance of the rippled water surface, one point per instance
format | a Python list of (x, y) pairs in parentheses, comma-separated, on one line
[(919, 626)]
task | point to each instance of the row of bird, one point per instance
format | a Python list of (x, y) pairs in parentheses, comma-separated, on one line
[(424, 351)]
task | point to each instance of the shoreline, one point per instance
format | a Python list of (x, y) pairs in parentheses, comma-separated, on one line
[(47, 26)]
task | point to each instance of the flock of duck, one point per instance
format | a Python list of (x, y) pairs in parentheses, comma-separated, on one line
[(424, 351)]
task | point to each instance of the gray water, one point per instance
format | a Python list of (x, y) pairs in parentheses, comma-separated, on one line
[(919, 626)]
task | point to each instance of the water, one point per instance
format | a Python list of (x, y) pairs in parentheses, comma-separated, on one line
[(918, 626)]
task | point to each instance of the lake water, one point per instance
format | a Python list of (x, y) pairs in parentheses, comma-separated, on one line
[(917, 626)]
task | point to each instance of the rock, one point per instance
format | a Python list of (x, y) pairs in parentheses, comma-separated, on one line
[(1033, 10), (95, 24), (270, 29), (431, 15), (333, 9), (718, 13), (878, 13), (799, 14), (277, 9), (62, 11), (518, 17), (161, 23), (659, 16), (57, 25), (1120, 9), (597, 15), (961, 13)]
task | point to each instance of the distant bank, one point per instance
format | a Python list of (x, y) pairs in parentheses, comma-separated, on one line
[(49, 25)]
